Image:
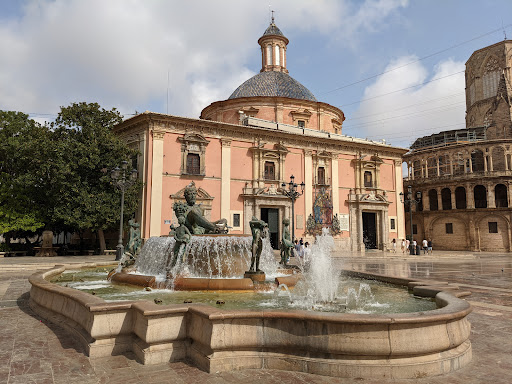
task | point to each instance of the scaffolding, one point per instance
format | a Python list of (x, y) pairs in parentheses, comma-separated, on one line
[(445, 138)]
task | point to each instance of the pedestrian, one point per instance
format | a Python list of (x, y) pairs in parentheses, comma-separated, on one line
[(414, 250), (297, 248), (429, 246), (407, 244), (424, 245), (393, 244), (403, 246)]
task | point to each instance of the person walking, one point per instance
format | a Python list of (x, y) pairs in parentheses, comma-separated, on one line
[(393, 245), (414, 250), (424, 245), (407, 244), (429, 246), (403, 246)]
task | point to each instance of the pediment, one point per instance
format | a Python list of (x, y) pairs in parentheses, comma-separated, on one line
[(193, 137)]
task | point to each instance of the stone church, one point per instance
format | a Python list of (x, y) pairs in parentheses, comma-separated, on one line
[(241, 151), (465, 176)]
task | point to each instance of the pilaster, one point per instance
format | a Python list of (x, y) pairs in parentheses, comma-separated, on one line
[(225, 179), (155, 228), (335, 186), (308, 180)]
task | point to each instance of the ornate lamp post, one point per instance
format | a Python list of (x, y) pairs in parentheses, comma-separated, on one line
[(409, 200), (293, 194), (122, 179)]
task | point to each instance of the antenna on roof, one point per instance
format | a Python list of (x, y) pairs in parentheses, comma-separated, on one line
[(504, 32), (272, 17)]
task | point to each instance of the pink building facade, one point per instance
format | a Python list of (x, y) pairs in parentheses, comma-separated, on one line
[(242, 149)]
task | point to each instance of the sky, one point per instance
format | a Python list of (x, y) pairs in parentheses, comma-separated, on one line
[(395, 67)]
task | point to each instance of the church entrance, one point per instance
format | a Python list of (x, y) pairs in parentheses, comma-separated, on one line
[(370, 230), (271, 217)]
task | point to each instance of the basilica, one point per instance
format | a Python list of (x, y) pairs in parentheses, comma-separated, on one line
[(245, 152)]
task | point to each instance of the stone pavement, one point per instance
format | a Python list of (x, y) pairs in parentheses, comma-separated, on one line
[(35, 351)]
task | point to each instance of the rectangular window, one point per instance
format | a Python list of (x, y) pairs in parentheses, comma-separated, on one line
[(392, 224), (321, 175), (368, 179), (449, 227), (270, 170), (414, 229), (193, 167), (301, 123), (493, 227), (236, 219)]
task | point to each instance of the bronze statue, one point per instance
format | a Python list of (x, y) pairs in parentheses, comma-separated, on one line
[(259, 231), (182, 236), (135, 241), (194, 218), (286, 243)]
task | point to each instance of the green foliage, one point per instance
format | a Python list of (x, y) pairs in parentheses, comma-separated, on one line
[(58, 176)]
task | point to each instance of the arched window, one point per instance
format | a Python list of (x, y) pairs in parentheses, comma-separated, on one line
[(278, 56), (480, 195), (446, 198), (417, 169), (444, 165), (269, 54), (458, 164), (432, 166), (477, 158), (500, 196), (460, 198), (432, 197)]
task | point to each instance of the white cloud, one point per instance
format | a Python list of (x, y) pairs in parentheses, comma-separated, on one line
[(425, 105), (119, 52)]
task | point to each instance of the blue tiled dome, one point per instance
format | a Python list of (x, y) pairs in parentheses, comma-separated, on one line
[(273, 30), (273, 83)]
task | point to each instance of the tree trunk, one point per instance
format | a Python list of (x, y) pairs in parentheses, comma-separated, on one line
[(103, 246)]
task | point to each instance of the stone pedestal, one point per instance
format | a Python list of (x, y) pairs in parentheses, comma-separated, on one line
[(258, 276), (47, 249)]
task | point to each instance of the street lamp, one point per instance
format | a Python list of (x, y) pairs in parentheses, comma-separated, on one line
[(293, 194), (409, 200), (122, 179)]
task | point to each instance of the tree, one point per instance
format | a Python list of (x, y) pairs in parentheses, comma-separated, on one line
[(23, 143), (57, 176), (89, 200)]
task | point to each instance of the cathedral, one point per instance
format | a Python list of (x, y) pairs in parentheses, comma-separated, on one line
[(465, 175), (243, 153)]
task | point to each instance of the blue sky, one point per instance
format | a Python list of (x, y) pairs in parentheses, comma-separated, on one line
[(120, 53)]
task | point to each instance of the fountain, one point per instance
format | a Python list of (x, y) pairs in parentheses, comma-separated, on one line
[(310, 334)]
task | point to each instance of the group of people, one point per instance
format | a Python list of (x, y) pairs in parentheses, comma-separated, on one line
[(405, 245), (301, 248)]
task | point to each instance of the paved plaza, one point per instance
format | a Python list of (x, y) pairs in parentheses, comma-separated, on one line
[(33, 350)]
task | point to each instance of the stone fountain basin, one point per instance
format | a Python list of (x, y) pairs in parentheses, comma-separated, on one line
[(344, 345)]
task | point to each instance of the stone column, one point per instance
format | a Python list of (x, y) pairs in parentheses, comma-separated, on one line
[(491, 201), (470, 164), (426, 201), (506, 161), (451, 165), (470, 197), (437, 165), (399, 188), (308, 180), (335, 187), (225, 180), (452, 194), (157, 167), (439, 200), (491, 167), (485, 163), (412, 170)]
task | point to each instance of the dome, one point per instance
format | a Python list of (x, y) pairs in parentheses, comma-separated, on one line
[(273, 83), (273, 30)]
